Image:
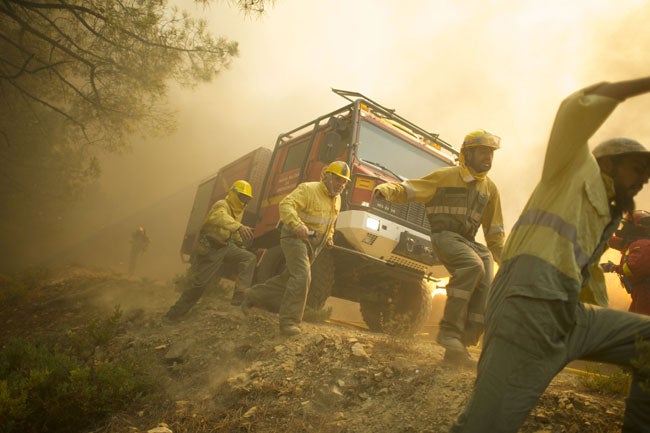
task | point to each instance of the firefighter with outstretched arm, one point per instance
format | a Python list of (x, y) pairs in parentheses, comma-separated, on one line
[(458, 201)]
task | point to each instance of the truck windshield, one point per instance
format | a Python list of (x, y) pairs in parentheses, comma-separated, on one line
[(379, 147)]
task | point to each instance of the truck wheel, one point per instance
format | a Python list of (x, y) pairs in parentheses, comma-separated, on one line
[(372, 314), (271, 264), (322, 280), (398, 310)]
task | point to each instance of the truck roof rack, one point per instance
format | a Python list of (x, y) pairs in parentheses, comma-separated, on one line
[(390, 112), (351, 96)]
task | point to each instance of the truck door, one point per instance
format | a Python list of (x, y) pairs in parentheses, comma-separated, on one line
[(283, 177)]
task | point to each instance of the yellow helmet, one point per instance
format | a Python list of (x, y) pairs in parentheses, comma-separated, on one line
[(481, 137), (243, 187), (339, 168)]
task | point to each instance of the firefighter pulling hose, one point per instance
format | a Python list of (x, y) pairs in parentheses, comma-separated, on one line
[(308, 215)]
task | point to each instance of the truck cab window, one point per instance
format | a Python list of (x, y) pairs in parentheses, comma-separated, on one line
[(295, 156), (404, 159)]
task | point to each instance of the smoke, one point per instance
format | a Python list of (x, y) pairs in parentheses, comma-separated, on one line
[(450, 67)]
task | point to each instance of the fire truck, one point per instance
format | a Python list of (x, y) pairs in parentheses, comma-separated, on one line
[(382, 256)]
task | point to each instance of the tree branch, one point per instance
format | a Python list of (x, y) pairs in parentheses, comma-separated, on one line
[(21, 69), (47, 104)]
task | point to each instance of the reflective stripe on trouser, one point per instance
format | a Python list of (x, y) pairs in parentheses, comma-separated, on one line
[(528, 341), (471, 269), (287, 291), (205, 267)]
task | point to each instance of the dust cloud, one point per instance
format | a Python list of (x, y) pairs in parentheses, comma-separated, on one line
[(450, 67)]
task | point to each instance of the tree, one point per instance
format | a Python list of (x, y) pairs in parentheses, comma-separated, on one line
[(82, 77)]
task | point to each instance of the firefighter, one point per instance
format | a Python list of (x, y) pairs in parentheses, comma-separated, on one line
[(458, 200), (535, 324), (633, 227), (221, 239), (139, 243), (307, 215), (633, 240)]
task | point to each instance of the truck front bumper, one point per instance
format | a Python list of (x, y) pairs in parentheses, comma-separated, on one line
[(389, 241)]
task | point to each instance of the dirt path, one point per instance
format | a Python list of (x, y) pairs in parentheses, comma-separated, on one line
[(224, 372)]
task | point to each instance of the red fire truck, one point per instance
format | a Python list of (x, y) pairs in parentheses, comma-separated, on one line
[(382, 257)]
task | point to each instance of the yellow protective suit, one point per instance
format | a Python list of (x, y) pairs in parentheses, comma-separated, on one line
[(310, 204), (224, 220)]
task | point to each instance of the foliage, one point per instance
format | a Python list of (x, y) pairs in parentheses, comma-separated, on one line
[(614, 383), (47, 386), (642, 362), (16, 286), (79, 78)]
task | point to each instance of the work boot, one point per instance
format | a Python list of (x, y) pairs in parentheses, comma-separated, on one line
[(290, 330), (175, 314), (450, 343), (459, 359), (171, 319), (237, 297)]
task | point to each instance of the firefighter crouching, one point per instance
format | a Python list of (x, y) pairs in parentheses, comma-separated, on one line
[(308, 215), (458, 200), (221, 239), (633, 241)]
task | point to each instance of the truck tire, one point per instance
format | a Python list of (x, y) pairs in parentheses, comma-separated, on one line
[(397, 310), (271, 264), (322, 280), (372, 313)]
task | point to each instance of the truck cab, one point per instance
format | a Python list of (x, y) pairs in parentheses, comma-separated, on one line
[(382, 257)]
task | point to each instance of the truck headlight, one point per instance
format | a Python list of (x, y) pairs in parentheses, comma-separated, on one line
[(372, 224)]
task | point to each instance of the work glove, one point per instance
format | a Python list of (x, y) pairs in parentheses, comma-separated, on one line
[(608, 267), (246, 233)]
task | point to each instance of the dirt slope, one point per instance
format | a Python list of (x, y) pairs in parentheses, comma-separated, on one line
[(224, 372)]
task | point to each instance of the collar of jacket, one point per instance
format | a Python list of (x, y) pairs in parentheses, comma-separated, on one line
[(236, 206), (609, 185), (468, 174), (325, 190)]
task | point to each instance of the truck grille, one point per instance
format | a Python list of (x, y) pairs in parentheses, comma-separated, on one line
[(413, 214)]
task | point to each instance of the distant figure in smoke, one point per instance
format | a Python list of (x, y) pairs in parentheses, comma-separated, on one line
[(633, 241), (139, 243)]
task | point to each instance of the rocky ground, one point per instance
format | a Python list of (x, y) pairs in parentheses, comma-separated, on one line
[(221, 371)]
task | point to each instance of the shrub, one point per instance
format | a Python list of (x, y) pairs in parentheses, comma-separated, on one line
[(642, 362), (11, 288), (61, 387), (18, 285), (616, 383)]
